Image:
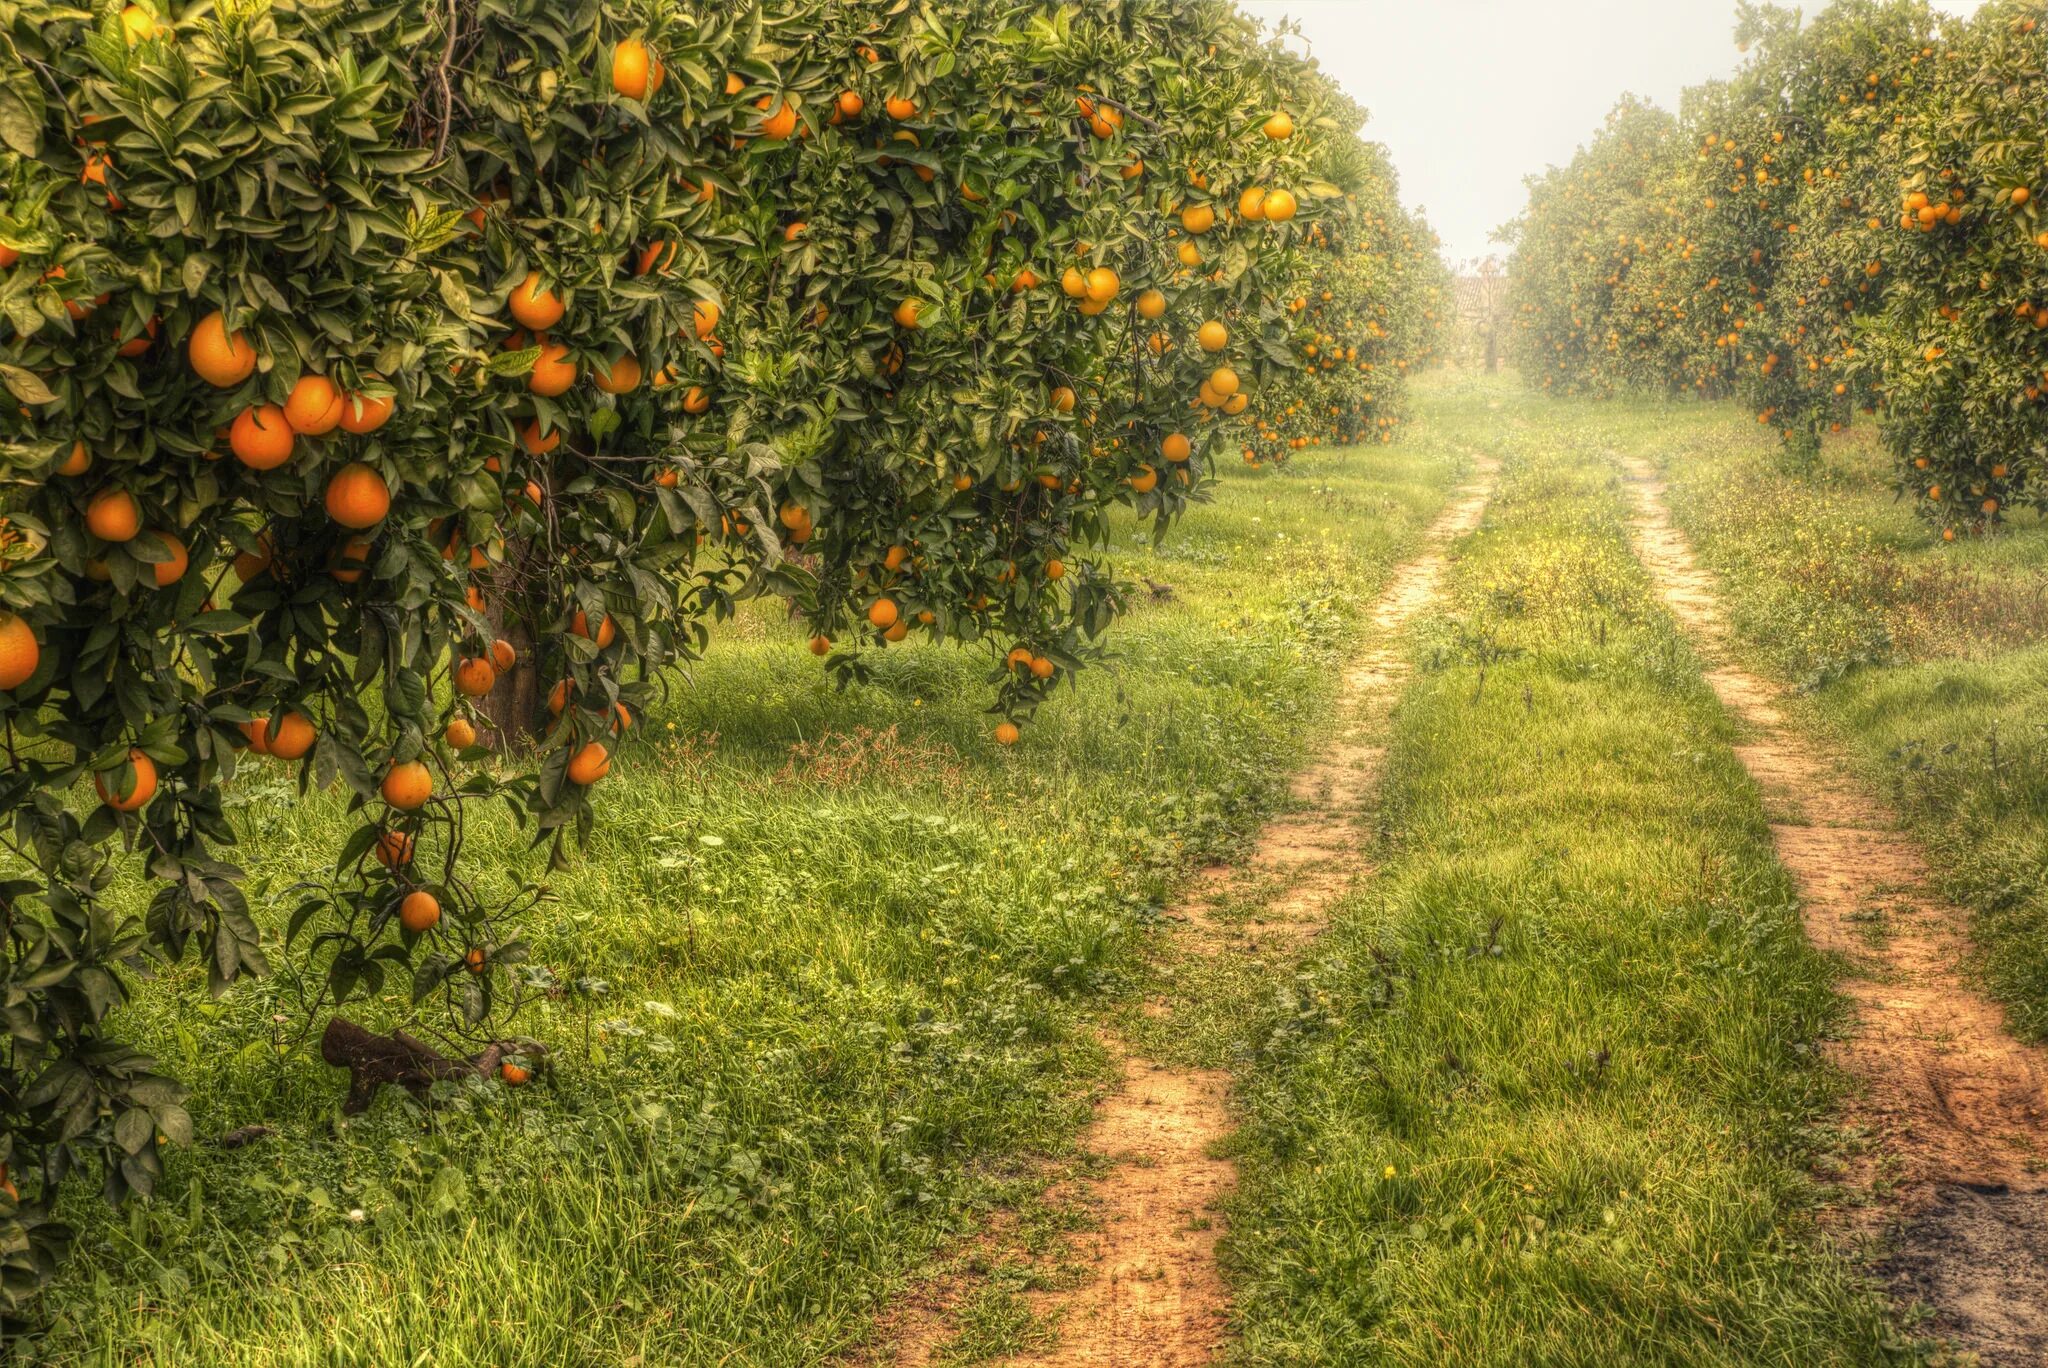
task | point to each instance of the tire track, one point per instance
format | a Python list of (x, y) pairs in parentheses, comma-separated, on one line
[(1954, 1105), (1152, 1295)]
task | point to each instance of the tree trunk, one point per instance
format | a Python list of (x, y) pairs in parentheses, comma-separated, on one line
[(515, 710)]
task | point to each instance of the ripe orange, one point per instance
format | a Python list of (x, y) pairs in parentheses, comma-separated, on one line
[(620, 377), (1055, 569), (1063, 400), (314, 407), (475, 677), (171, 571), (590, 764), (20, 652), (781, 123), (261, 437), (504, 654), (535, 444), (220, 358), (1280, 205), (357, 496), (394, 850), (883, 613), (899, 108), (419, 911), (1176, 447), (607, 630), (408, 786), (128, 789), (553, 371), (514, 1076), (1146, 480), (906, 313), (1197, 219), (1103, 285), (1224, 381), (113, 516), (1007, 734), (461, 734), (534, 305), (362, 414), (1213, 336), (851, 104), (1251, 204), (705, 316), (351, 560), (290, 737), (1280, 127), (636, 72), (820, 646), (76, 462)]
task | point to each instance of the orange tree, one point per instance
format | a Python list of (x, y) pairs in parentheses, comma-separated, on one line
[(396, 383), (1850, 223)]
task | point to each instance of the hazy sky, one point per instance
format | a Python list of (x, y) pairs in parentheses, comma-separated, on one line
[(1472, 95)]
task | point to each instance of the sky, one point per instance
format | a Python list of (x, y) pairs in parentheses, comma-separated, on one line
[(1473, 95)]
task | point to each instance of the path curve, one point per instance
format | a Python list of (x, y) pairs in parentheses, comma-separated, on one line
[(1952, 1101), (1153, 1295)]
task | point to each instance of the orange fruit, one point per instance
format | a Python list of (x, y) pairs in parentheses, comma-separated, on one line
[(1007, 734), (1146, 480), (1213, 336), (1280, 205), (1063, 400), (128, 789), (1251, 204), (357, 496), (408, 786), (361, 414), (171, 571), (314, 406), (475, 677), (20, 652), (113, 516), (261, 437), (1224, 381), (705, 315), (779, 125), (906, 313), (291, 736), (1279, 128), (514, 1076), (1103, 285), (535, 444), (77, 462), (419, 911), (461, 734), (607, 630), (504, 654), (394, 850), (1176, 447), (636, 73), (534, 305), (620, 377), (899, 108), (220, 358), (553, 371), (590, 764), (820, 646), (1197, 219), (351, 560), (1151, 304)]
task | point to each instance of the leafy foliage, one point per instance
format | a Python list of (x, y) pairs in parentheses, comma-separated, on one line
[(380, 364)]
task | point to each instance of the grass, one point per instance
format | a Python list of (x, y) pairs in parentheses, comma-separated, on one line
[(1928, 660), (1550, 1091), (827, 972)]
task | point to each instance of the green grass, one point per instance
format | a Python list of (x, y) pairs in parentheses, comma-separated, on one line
[(1550, 1090), (836, 955), (1928, 660)]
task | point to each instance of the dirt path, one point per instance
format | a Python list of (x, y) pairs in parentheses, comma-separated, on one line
[(1953, 1104), (1151, 1295)]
